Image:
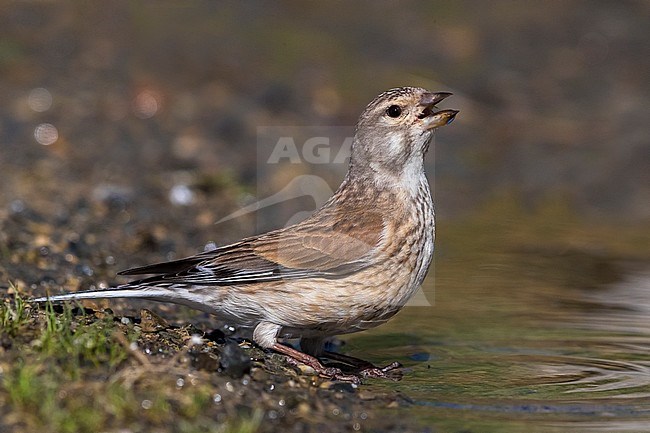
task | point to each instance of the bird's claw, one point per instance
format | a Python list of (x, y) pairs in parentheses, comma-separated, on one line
[(332, 373), (391, 371), (337, 374)]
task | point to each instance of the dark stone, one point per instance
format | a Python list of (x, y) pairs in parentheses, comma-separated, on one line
[(5, 341), (216, 336), (234, 361), (343, 387)]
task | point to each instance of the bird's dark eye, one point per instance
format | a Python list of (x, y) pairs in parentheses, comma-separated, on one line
[(394, 111)]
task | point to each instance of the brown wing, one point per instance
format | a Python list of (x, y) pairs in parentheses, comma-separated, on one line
[(331, 244)]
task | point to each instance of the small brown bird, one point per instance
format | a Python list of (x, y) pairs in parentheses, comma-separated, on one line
[(350, 266)]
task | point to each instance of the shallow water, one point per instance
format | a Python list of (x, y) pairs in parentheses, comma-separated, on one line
[(525, 332)]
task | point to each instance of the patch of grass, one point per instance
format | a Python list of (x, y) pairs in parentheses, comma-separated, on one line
[(46, 401), (54, 351), (13, 315), (77, 341), (68, 371)]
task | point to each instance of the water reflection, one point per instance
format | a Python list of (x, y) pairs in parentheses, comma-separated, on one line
[(520, 331), (620, 314), (577, 374), (622, 307), (593, 375)]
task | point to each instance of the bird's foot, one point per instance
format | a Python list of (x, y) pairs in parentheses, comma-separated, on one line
[(392, 371), (294, 357), (332, 373), (367, 369)]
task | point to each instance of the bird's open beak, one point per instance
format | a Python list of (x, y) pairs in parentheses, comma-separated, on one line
[(431, 118)]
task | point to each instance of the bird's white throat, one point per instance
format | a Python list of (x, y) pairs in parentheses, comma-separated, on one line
[(411, 179)]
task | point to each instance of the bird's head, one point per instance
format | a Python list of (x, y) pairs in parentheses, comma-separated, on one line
[(396, 127)]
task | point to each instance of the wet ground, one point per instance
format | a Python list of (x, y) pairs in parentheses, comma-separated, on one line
[(127, 131)]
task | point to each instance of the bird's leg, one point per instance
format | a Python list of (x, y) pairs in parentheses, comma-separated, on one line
[(330, 372), (367, 369)]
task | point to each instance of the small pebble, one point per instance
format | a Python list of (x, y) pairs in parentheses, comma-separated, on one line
[(306, 370), (343, 387), (216, 335), (234, 361)]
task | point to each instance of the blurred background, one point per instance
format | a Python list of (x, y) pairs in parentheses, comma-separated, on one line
[(127, 129), (554, 96)]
